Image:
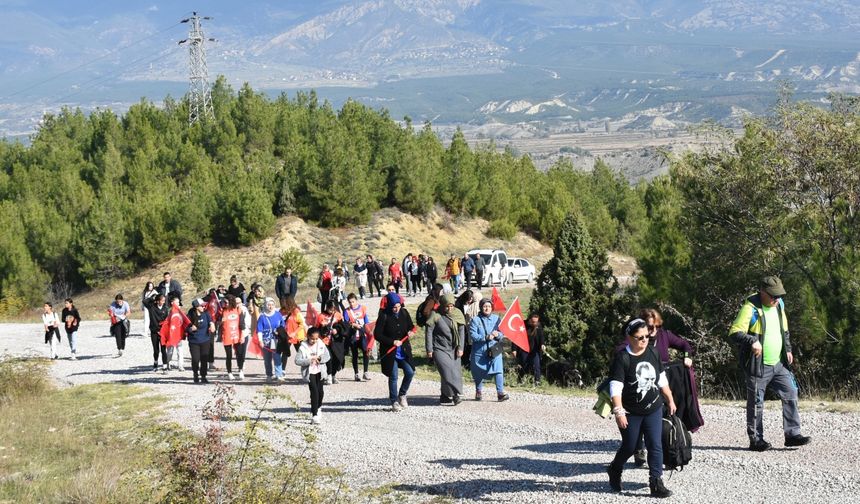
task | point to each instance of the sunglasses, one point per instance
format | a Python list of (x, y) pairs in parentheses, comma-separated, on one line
[(639, 338)]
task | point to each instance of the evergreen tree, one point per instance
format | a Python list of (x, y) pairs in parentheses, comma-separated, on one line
[(201, 270), (574, 299)]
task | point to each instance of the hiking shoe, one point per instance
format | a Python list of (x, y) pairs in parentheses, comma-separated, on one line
[(395, 407), (759, 445), (503, 396), (204, 381), (357, 377), (196, 380), (402, 401), (445, 400), (657, 488), (478, 395), (639, 458), (614, 478), (798, 440), (366, 376), (457, 399)]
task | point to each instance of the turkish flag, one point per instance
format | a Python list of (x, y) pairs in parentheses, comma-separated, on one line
[(368, 331), (311, 315), (498, 305), (514, 327)]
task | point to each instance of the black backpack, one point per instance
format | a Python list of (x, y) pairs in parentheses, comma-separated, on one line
[(677, 444)]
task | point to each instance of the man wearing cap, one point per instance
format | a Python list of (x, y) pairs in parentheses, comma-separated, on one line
[(761, 333)]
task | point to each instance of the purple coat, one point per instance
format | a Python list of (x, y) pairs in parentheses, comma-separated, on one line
[(663, 342)]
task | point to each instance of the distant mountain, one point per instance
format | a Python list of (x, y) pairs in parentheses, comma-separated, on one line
[(553, 61)]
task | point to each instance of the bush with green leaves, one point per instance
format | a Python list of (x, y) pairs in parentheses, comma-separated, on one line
[(292, 258), (201, 270)]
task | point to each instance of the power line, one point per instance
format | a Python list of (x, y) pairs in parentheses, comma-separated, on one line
[(200, 99), (90, 62)]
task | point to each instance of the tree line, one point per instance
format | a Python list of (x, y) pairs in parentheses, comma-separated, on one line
[(95, 197)]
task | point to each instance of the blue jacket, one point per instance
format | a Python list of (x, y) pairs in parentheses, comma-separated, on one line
[(479, 328), (286, 286), (202, 321)]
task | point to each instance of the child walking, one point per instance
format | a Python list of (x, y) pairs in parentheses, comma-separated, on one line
[(311, 357)]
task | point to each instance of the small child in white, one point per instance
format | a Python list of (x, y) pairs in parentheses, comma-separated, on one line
[(52, 328), (311, 357)]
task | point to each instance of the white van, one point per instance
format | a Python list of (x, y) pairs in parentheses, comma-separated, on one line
[(493, 260)]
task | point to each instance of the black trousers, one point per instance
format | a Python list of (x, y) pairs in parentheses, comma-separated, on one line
[(211, 348), (157, 348), (241, 348), (120, 333), (375, 283), (469, 276), (199, 357), (355, 347), (315, 385)]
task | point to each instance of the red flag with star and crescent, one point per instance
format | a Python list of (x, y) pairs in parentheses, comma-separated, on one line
[(311, 314), (514, 327)]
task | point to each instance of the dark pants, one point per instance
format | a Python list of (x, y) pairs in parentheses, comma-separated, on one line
[(211, 359), (157, 348), (375, 282), (355, 347), (240, 355), (397, 284), (199, 357), (315, 385), (120, 333), (416, 283), (529, 363), (652, 426), (469, 277)]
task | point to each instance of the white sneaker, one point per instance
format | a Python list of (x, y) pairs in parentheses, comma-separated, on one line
[(366, 376), (181, 369), (282, 379), (334, 380), (315, 420), (328, 380), (120, 353), (230, 376), (402, 401), (395, 407), (74, 357), (241, 375)]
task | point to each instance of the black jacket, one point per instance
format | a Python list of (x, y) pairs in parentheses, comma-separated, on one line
[(388, 330), (174, 287), (156, 315), (286, 286)]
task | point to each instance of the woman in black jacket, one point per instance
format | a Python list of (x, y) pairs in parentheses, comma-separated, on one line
[(393, 331), (529, 362)]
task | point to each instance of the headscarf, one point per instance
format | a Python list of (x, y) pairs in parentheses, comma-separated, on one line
[(391, 299), (266, 305)]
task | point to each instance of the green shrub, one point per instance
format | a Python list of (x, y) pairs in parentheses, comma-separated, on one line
[(503, 229), (295, 259), (201, 273)]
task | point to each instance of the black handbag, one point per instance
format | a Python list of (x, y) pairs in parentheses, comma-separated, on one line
[(495, 350)]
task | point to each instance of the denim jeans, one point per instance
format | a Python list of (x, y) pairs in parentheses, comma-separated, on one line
[(408, 373), (268, 357), (73, 341), (652, 426)]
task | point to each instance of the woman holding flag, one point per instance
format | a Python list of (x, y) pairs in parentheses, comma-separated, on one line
[(332, 333), (486, 356), (393, 330)]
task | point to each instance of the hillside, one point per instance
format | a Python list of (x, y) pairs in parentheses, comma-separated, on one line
[(390, 233)]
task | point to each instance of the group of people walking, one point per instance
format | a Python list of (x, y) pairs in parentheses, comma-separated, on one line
[(457, 331)]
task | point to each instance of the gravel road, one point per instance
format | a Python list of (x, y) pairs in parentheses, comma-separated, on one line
[(533, 448)]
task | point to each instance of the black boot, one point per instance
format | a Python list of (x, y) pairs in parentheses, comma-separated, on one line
[(639, 458), (614, 478), (657, 488)]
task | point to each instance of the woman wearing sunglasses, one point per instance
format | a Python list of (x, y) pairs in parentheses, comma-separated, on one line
[(638, 388)]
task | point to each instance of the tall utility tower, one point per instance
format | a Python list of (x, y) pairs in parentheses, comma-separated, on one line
[(200, 99)]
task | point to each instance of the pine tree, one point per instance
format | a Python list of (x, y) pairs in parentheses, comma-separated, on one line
[(201, 270), (574, 301)]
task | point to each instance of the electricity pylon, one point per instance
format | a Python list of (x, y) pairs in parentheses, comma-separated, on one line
[(200, 98)]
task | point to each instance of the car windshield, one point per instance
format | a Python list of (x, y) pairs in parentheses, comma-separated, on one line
[(485, 258)]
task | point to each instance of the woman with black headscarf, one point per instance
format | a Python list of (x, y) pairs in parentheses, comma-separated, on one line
[(393, 330)]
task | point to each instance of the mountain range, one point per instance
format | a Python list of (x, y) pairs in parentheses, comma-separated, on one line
[(642, 64)]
